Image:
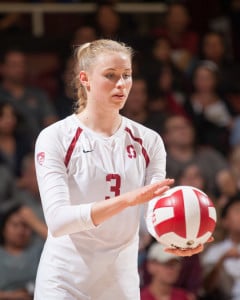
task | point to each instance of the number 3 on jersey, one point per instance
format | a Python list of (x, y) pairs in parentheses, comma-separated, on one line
[(115, 184)]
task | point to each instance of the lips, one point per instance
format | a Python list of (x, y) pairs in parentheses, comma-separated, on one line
[(119, 95)]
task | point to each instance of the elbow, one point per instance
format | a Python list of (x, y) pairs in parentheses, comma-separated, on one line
[(55, 231), (56, 227), (56, 222)]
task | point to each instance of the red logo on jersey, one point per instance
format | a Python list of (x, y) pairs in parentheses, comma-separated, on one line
[(131, 151), (41, 157)]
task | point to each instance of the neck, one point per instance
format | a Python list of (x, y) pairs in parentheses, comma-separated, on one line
[(160, 290), (207, 96), (182, 153), (4, 135), (14, 88), (13, 250), (105, 124), (139, 117), (235, 237)]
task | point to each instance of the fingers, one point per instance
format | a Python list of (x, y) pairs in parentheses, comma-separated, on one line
[(156, 189), (159, 187), (167, 181), (185, 252), (148, 192), (211, 239), (165, 185), (160, 191)]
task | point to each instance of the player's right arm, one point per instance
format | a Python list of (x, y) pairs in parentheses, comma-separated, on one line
[(104, 210)]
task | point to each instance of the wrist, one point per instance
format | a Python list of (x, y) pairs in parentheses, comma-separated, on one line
[(123, 201)]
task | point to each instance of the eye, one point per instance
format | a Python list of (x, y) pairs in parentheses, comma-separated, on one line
[(110, 75), (126, 76)]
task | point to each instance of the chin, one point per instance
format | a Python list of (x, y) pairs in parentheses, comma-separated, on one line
[(119, 104)]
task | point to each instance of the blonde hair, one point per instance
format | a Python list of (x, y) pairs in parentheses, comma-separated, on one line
[(86, 55)]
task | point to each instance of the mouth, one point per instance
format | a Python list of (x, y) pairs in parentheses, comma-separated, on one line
[(119, 96)]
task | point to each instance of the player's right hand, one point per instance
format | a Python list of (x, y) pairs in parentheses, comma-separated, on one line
[(148, 192)]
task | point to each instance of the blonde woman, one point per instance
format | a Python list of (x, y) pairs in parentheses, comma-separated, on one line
[(94, 169)]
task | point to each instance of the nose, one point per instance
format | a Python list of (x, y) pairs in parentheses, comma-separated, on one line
[(120, 82)]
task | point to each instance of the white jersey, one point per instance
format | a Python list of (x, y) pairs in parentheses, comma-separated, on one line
[(76, 167)]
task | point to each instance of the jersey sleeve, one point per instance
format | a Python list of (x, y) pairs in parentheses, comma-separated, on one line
[(156, 171), (61, 216)]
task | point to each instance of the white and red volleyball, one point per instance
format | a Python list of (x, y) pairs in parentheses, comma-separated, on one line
[(184, 217)]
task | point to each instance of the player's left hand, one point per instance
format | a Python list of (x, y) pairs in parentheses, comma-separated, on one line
[(188, 251)]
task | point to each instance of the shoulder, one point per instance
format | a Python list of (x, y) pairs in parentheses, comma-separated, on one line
[(215, 251), (5, 94), (210, 153), (180, 294), (62, 130), (146, 294), (149, 139), (65, 125), (35, 91), (141, 131)]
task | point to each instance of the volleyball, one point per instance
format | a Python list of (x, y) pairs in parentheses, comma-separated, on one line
[(184, 217)]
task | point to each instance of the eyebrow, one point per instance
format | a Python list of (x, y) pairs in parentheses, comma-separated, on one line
[(114, 69)]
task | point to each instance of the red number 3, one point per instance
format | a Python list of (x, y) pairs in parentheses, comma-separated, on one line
[(115, 181)]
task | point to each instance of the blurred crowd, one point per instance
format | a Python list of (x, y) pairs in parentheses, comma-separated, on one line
[(186, 86)]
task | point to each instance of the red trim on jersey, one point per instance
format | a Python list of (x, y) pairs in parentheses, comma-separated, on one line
[(139, 140), (72, 146)]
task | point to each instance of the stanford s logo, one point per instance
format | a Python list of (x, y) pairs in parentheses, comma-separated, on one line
[(131, 151), (41, 158)]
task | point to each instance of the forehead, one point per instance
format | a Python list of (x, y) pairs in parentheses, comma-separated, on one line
[(177, 121), (112, 60), (14, 55), (234, 207), (202, 70), (213, 38)]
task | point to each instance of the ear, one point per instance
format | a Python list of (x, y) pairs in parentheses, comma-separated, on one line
[(84, 79)]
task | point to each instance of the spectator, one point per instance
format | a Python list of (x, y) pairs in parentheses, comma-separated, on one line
[(19, 256), (192, 175), (84, 34), (164, 269), (64, 100), (110, 24), (136, 108), (221, 261), (234, 163), (28, 194), (234, 135), (226, 186), (207, 109), (213, 48), (158, 57), (165, 97), (234, 13), (181, 143), (176, 28), (31, 102), (14, 138), (7, 186)]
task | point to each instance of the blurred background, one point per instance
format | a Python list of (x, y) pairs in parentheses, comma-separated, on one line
[(186, 86)]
